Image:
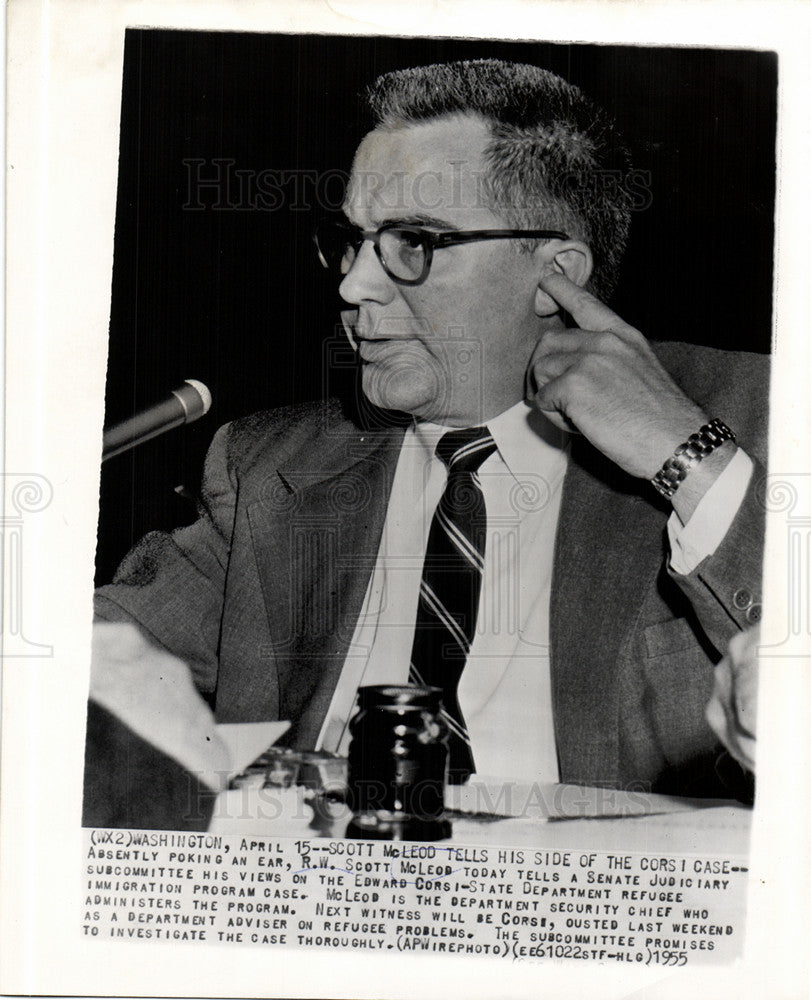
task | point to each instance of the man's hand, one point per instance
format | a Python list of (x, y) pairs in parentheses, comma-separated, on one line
[(732, 709), (604, 381), (152, 692)]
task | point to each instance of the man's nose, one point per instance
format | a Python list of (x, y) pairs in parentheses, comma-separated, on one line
[(366, 280)]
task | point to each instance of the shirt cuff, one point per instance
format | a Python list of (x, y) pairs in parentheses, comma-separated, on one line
[(692, 542)]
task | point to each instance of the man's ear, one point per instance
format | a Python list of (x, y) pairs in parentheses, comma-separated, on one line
[(571, 258)]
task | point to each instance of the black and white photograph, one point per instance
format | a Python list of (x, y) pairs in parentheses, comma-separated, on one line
[(351, 285), (435, 513)]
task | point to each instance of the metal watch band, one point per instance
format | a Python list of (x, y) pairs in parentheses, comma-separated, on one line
[(673, 473)]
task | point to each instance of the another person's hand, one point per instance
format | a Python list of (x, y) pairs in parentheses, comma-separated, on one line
[(732, 709), (152, 692), (604, 381)]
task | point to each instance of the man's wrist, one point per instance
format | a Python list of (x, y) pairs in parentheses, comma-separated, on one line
[(699, 480)]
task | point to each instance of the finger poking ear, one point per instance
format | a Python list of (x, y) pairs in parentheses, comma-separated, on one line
[(571, 258), (575, 261)]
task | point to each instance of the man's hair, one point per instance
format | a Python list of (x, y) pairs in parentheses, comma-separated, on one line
[(555, 159)]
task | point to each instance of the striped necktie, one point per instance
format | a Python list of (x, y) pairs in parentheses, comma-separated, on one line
[(451, 583)]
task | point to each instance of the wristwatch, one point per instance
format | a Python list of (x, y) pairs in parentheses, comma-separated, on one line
[(673, 473)]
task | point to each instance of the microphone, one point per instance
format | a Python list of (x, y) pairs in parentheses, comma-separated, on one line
[(190, 402)]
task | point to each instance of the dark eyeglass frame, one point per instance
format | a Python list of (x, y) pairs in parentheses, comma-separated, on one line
[(429, 239)]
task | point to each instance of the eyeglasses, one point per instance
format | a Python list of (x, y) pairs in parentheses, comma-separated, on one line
[(404, 251)]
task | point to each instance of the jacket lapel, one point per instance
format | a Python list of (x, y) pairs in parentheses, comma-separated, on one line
[(609, 549), (315, 552)]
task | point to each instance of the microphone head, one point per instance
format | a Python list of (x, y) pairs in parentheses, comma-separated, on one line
[(190, 402), (205, 394)]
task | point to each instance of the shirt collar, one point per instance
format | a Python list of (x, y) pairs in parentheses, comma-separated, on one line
[(526, 440)]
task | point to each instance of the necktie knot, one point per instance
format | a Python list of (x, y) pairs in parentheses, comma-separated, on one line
[(465, 450)]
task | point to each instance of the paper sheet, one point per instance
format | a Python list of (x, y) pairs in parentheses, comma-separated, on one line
[(247, 740), (488, 796)]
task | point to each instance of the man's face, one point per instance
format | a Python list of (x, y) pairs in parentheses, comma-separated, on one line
[(455, 348)]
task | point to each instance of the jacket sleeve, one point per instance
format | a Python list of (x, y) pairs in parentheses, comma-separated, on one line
[(129, 783), (725, 589), (171, 585)]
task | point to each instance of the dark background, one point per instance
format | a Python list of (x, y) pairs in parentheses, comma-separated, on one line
[(230, 293)]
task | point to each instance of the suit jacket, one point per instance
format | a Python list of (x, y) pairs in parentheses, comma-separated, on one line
[(261, 595), (130, 783)]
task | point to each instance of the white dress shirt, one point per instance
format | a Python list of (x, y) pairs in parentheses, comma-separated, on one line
[(505, 688)]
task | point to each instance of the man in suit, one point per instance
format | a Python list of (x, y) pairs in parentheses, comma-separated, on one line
[(472, 230)]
